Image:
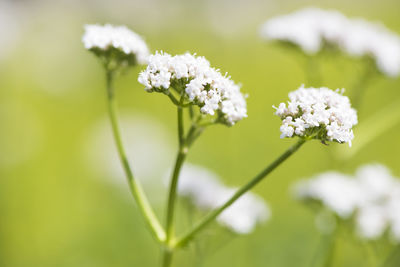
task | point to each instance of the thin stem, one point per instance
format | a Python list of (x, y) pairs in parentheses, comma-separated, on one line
[(191, 112), (134, 185), (175, 176), (214, 214), (330, 250), (391, 257), (172, 192), (180, 125), (184, 143), (173, 99), (167, 257)]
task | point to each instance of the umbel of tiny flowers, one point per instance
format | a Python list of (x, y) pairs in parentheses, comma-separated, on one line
[(367, 203), (371, 198), (116, 46), (313, 29), (318, 113), (195, 83), (119, 48)]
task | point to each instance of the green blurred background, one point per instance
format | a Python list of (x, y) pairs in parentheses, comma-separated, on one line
[(63, 201)]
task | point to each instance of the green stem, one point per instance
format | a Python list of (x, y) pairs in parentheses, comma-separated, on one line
[(330, 249), (214, 214), (175, 176), (184, 143), (172, 193), (173, 99), (191, 112), (167, 257), (391, 257), (134, 185), (181, 137)]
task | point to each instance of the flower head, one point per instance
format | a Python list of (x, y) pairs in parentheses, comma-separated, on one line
[(205, 191), (317, 113), (191, 77), (312, 29), (372, 198), (307, 28), (115, 43), (336, 191)]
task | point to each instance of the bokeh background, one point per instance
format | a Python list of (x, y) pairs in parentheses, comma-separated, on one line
[(63, 200)]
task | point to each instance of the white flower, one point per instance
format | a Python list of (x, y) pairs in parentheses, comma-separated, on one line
[(201, 85), (205, 190), (307, 28), (109, 37), (318, 113), (365, 38), (311, 28), (372, 197), (393, 206), (371, 222), (376, 181), (243, 216), (336, 191), (382, 196)]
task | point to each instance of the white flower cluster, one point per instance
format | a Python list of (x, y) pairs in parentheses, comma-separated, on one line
[(372, 197), (121, 38), (311, 28), (319, 113), (203, 85), (205, 190)]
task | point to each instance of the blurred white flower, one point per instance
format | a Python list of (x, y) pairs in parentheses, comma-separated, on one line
[(376, 182), (108, 37), (363, 38), (318, 113), (393, 206), (308, 28), (202, 85), (311, 28), (380, 203), (371, 221), (205, 190), (244, 215), (372, 198), (336, 191)]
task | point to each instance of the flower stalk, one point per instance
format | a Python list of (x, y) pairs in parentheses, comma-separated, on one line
[(214, 214), (180, 158), (134, 185), (184, 144)]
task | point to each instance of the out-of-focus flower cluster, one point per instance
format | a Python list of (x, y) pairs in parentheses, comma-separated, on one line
[(200, 84), (203, 188), (311, 29), (372, 198), (318, 113), (115, 42)]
